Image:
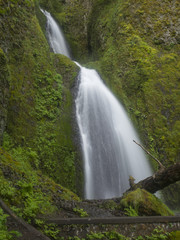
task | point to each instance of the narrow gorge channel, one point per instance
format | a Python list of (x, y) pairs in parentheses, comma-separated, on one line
[(107, 135)]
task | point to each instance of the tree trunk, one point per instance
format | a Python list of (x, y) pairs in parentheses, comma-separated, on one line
[(161, 179)]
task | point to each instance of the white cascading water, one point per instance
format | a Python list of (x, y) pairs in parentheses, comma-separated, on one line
[(107, 135), (55, 35)]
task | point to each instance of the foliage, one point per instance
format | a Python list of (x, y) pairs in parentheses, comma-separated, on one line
[(38, 136), (175, 235), (69, 15), (136, 52), (142, 203), (139, 63), (49, 229), (28, 192), (157, 234), (138, 71), (4, 233), (80, 212), (40, 104), (130, 211), (107, 235), (110, 205)]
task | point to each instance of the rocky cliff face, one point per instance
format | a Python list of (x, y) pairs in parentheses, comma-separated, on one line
[(4, 93), (135, 47), (73, 17)]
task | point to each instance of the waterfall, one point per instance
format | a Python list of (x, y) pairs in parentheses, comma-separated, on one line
[(55, 35), (107, 135)]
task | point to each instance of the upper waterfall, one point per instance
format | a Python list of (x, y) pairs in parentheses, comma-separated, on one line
[(107, 134), (55, 36)]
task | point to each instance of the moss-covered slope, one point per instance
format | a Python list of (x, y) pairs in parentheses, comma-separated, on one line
[(137, 45), (39, 120), (136, 48), (36, 118)]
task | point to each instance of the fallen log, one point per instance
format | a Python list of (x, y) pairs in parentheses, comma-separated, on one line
[(33, 232), (160, 179)]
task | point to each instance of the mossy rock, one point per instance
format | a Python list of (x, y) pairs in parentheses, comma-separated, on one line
[(175, 235), (67, 68), (145, 203)]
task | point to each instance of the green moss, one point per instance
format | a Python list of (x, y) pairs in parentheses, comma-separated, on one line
[(110, 204), (40, 106), (80, 212), (68, 69), (106, 235), (135, 49), (72, 16), (4, 233), (175, 235), (129, 61), (28, 192), (27, 189), (145, 203)]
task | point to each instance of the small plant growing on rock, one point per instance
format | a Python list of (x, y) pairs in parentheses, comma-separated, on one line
[(130, 211), (80, 212)]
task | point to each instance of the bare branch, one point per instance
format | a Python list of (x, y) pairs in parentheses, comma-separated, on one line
[(160, 164)]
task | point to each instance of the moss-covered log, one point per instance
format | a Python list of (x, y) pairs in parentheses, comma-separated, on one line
[(161, 179)]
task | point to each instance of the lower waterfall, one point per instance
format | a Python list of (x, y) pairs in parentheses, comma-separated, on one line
[(110, 156), (107, 135)]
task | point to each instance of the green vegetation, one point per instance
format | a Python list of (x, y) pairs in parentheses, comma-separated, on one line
[(157, 234), (40, 99), (130, 211), (38, 142), (28, 192), (80, 212), (143, 75), (4, 233), (26, 185), (110, 204), (106, 235), (72, 16), (140, 202), (135, 47), (175, 235)]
